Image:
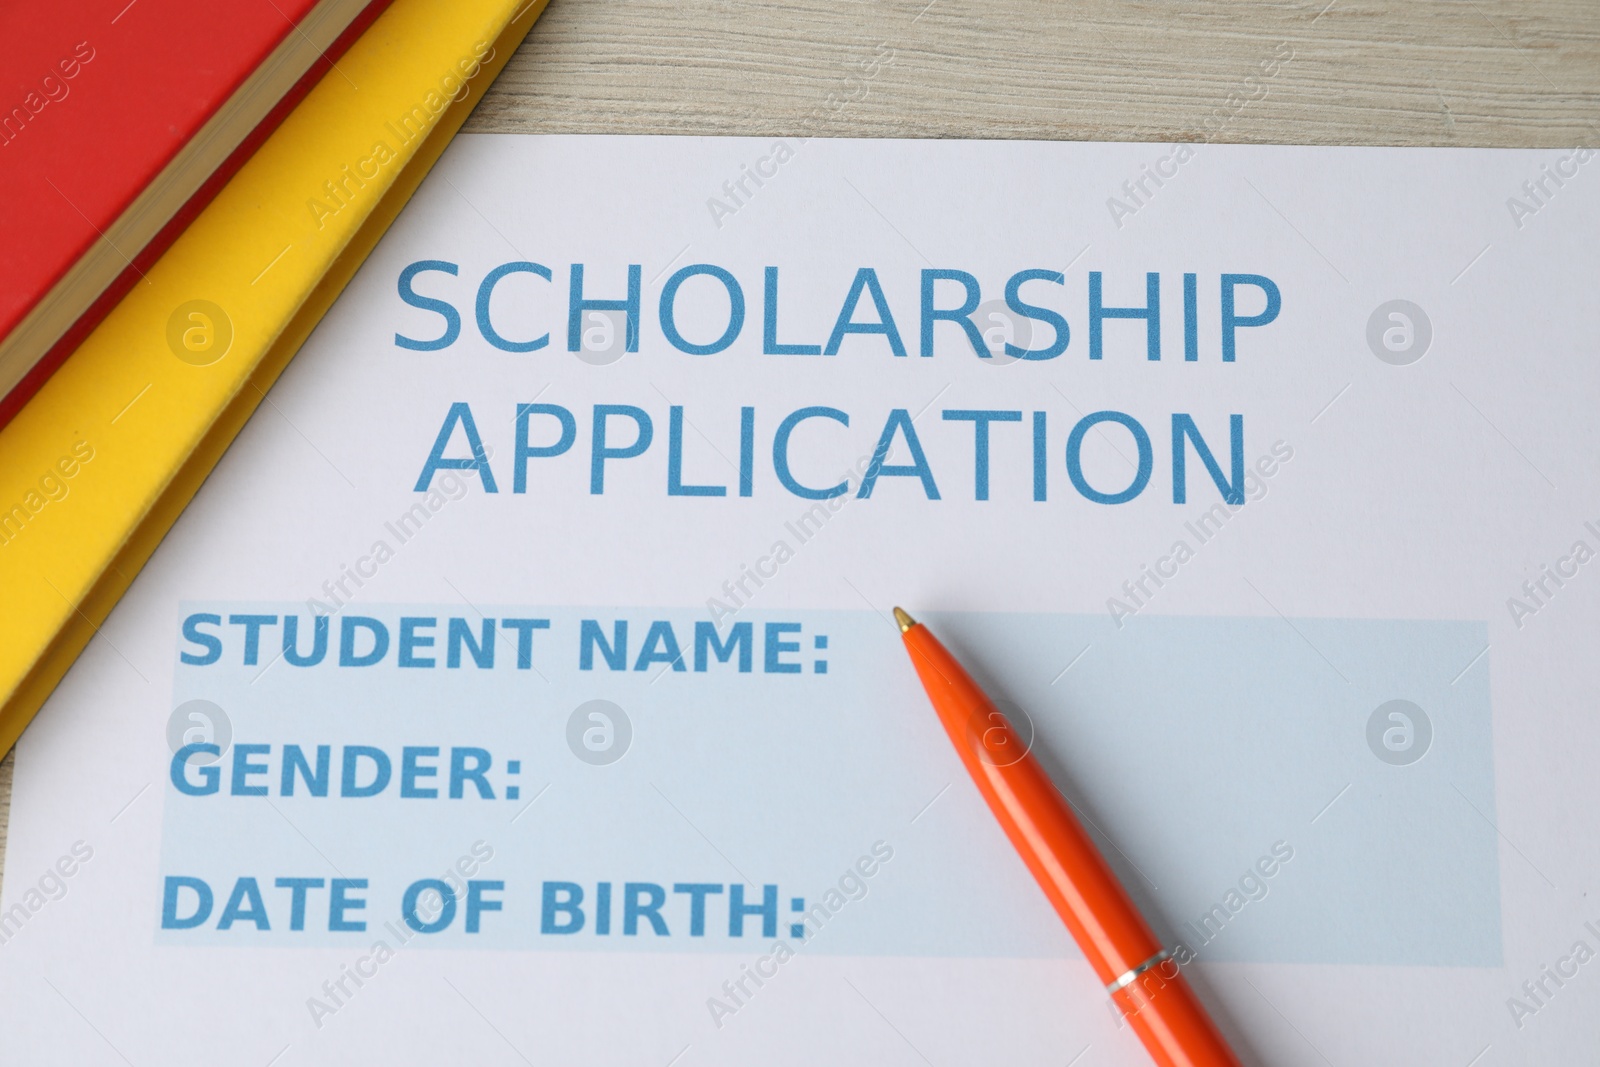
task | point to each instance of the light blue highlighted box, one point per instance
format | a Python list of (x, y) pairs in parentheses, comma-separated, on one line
[(1194, 747)]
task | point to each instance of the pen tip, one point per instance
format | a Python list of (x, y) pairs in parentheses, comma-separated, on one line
[(905, 621)]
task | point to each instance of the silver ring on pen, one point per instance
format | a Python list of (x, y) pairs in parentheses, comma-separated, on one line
[(1129, 977)]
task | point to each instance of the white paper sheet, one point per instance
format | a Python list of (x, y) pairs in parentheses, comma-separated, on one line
[(1319, 673)]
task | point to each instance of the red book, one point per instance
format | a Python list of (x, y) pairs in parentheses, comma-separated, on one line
[(119, 121)]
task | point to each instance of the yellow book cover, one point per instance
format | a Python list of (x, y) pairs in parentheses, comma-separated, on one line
[(95, 469)]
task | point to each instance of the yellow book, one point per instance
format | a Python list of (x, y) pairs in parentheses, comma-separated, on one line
[(95, 469)]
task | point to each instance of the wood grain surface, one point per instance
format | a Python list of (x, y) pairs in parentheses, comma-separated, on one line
[(1487, 73), (1463, 72)]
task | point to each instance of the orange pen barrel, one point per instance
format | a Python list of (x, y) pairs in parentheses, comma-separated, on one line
[(1144, 981)]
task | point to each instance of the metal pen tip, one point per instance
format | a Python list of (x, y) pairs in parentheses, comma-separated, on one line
[(905, 621)]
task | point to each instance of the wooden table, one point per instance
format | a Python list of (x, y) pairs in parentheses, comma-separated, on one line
[(1465, 72)]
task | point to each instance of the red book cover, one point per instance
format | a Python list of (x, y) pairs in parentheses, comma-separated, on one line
[(99, 99)]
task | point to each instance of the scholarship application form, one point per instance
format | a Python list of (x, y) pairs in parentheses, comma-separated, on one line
[(522, 688)]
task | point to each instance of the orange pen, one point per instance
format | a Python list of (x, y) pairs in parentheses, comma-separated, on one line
[(1141, 977)]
